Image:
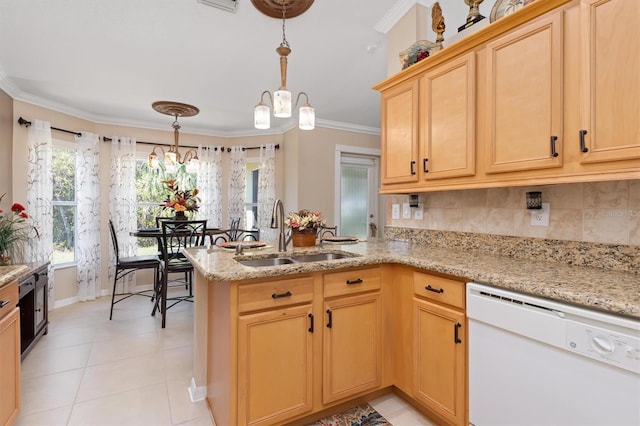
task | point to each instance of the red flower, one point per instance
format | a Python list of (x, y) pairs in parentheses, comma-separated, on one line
[(24, 215), (17, 208)]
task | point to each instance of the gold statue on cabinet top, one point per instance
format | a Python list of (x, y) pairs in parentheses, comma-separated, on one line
[(437, 23)]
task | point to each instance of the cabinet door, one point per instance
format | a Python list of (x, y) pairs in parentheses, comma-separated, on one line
[(610, 80), (10, 367), (447, 119), (440, 360), (524, 97), (352, 351), (275, 352), (400, 133)]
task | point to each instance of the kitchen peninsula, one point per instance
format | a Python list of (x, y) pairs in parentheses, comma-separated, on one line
[(311, 323)]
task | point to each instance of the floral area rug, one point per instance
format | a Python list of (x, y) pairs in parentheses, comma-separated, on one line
[(361, 415)]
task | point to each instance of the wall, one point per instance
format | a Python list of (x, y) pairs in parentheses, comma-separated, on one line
[(6, 147), (600, 212)]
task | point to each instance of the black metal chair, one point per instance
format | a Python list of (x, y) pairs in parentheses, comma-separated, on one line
[(235, 235), (127, 265), (177, 235), (327, 231)]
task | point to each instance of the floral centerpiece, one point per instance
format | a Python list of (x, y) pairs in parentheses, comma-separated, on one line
[(304, 226), (14, 233), (179, 200)]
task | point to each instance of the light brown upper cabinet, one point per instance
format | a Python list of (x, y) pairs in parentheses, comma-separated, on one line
[(400, 133), (610, 91), (447, 119), (524, 97)]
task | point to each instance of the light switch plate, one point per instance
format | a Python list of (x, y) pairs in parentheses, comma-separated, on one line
[(395, 211), (418, 213), (540, 217), (406, 211)]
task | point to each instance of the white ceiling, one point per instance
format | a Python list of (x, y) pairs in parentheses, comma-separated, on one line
[(109, 60)]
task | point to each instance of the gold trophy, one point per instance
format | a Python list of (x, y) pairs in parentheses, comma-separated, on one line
[(474, 14)]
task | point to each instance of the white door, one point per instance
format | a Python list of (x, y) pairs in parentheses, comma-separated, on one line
[(357, 196)]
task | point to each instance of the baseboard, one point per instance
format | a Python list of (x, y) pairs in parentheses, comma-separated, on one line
[(103, 292), (197, 393), (65, 302)]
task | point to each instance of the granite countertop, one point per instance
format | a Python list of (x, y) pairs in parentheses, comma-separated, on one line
[(611, 291), (12, 272)]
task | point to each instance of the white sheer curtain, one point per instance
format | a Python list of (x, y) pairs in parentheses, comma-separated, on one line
[(122, 202), (237, 184), (40, 195), (267, 192), (210, 186), (88, 215)]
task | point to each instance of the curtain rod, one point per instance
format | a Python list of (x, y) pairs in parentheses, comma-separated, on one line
[(26, 123), (244, 148), (106, 139)]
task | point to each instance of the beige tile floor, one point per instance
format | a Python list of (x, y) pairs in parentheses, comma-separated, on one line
[(129, 371)]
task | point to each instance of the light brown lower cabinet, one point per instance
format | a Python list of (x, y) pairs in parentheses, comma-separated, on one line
[(9, 355)]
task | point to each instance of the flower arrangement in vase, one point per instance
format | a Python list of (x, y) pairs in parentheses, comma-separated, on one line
[(14, 232), (304, 227), (179, 200)]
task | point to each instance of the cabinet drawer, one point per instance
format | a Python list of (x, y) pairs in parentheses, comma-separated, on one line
[(8, 293), (439, 289), (350, 282), (274, 294)]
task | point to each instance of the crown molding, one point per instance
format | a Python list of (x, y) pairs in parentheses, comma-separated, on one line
[(396, 13)]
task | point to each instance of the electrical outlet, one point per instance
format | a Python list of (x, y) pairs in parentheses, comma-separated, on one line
[(406, 211), (540, 217), (395, 211), (418, 213)]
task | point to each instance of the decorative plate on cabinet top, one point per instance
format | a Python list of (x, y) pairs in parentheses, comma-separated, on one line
[(340, 240), (506, 7)]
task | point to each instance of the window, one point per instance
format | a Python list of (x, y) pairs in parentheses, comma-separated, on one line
[(151, 193), (64, 205), (251, 193)]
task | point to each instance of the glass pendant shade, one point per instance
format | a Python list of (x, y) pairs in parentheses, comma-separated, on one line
[(282, 103), (153, 161), (262, 116), (193, 165), (306, 118)]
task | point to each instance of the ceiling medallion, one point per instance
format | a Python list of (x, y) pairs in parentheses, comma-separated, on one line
[(175, 109), (273, 8)]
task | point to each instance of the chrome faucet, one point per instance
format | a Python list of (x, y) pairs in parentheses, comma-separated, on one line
[(277, 221)]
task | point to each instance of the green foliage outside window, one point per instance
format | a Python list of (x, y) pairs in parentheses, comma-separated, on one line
[(64, 205)]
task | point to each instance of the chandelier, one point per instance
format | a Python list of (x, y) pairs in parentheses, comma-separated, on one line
[(172, 158), (281, 99)]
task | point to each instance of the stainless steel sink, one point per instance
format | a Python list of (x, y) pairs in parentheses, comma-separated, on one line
[(317, 257), (273, 261), (281, 259)]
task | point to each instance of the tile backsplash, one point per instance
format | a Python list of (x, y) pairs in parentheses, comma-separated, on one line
[(597, 212)]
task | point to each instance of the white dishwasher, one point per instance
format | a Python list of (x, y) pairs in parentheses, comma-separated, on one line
[(533, 361)]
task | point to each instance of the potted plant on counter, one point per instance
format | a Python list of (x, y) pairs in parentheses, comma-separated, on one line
[(14, 232), (304, 227)]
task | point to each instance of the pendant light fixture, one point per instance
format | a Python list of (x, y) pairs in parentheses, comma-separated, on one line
[(281, 99), (172, 158)]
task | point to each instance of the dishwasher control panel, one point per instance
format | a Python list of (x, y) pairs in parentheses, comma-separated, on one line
[(604, 345)]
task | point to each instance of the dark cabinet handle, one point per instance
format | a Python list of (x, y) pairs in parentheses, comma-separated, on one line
[(456, 338), (435, 290), (38, 310), (424, 165), (358, 281), (310, 323), (554, 153), (583, 145), (413, 163), (4, 303), (330, 323), (278, 296)]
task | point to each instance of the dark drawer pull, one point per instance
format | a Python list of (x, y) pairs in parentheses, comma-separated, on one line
[(278, 296), (456, 337), (583, 145), (424, 165), (435, 290), (4, 303), (330, 323), (413, 172), (358, 281), (310, 323), (554, 153)]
